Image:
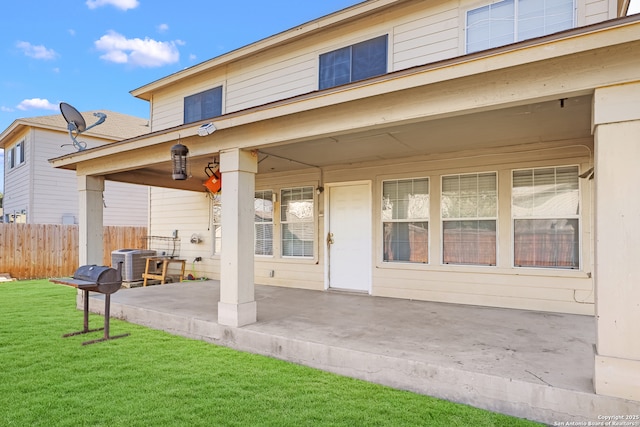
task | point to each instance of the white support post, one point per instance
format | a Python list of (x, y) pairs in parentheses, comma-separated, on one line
[(616, 123), (90, 189), (237, 306)]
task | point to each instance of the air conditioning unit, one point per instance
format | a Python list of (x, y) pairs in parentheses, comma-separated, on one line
[(133, 262)]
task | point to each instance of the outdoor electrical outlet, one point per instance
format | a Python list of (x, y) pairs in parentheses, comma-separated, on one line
[(198, 259)]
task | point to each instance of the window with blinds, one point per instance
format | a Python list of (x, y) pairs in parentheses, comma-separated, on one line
[(297, 221), (469, 210), (405, 220), (263, 226), (545, 206), (216, 222), (509, 21)]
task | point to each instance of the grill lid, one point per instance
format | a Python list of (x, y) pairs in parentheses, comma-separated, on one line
[(97, 274)]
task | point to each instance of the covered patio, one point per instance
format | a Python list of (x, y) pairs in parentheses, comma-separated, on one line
[(533, 365), (537, 104)]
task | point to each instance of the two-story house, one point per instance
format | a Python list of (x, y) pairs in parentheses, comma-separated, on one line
[(468, 151), (36, 193)]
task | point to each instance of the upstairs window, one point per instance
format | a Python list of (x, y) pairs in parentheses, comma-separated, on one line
[(15, 155), (545, 206), (203, 105), (19, 153), (509, 21), (352, 63), (11, 158), (469, 207)]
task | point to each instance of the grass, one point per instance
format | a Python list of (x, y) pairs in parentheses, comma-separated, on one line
[(152, 378)]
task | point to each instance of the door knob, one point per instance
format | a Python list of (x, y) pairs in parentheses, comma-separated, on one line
[(329, 238)]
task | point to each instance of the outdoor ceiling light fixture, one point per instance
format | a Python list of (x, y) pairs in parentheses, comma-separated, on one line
[(179, 161)]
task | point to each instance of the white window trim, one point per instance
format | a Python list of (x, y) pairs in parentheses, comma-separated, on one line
[(496, 219), (465, 15), (280, 227), (214, 253), (579, 217), (390, 44), (223, 100), (428, 220), (273, 226)]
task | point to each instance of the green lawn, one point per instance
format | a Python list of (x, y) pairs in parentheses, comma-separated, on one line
[(152, 378)]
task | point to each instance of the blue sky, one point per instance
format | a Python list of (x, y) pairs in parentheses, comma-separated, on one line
[(91, 53)]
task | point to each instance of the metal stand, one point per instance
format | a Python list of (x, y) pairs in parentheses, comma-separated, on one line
[(85, 329)]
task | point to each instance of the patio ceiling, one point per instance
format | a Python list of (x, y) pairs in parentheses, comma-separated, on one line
[(539, 122)]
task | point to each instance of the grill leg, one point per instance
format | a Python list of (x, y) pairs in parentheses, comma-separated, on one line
[(85, 329), (107, 309)]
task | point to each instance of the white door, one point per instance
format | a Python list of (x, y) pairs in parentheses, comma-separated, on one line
[(349, 237)]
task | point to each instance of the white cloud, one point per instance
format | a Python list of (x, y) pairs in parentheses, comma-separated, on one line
[(36, 104), (137, 52), (163, 28), (120, 4), (38, 52), (6, 109)]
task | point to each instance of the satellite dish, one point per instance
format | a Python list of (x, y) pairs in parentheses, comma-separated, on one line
[(77, 124)]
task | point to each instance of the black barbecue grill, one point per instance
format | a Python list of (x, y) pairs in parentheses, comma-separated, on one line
[(101, 279)]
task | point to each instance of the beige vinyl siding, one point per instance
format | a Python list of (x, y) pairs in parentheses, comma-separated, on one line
[(167, 110), (168, 104), (292, 70), (428, 39), (289, 271), (126, 204), (418, 35), (260, 84), (188, 213), (545, 293), (597, 11), (503, 285)]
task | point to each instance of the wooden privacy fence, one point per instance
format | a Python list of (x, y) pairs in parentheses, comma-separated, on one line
[(31, 251)]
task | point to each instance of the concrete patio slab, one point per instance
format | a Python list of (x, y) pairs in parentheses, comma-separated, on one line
[(528, 364)]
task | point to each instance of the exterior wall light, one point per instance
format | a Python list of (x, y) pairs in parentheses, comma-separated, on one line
[(179, 161), (206, 129)]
